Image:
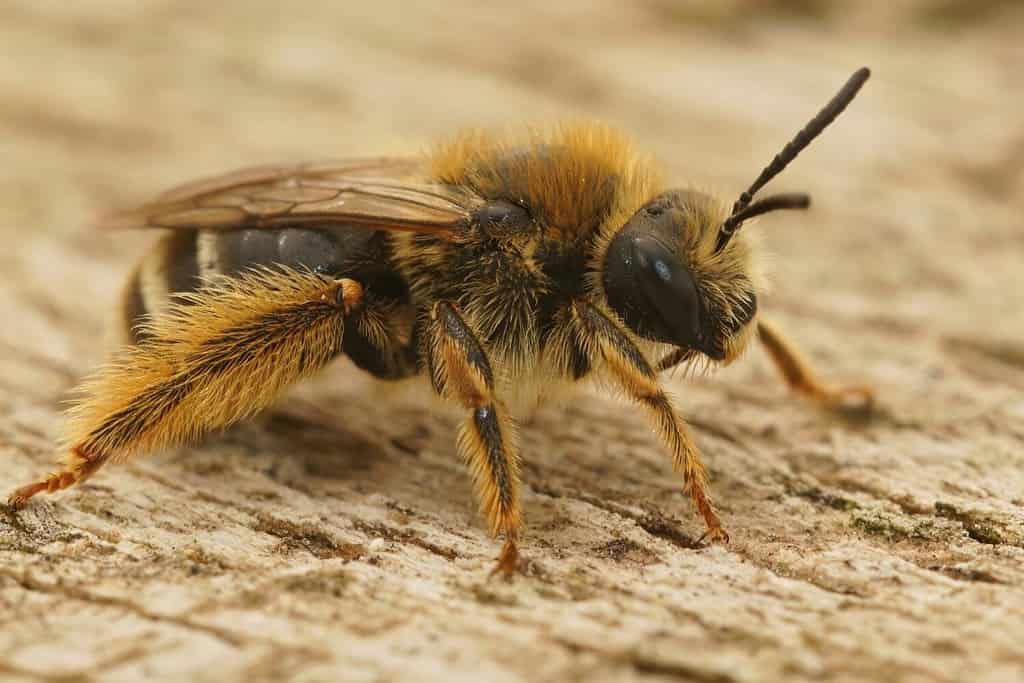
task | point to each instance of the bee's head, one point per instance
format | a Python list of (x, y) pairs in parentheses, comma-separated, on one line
[(678, 271), (668, 283)]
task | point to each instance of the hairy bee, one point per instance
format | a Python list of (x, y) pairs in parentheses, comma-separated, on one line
[(492, 266)]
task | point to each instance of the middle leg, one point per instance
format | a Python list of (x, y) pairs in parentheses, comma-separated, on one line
[(460, 370)]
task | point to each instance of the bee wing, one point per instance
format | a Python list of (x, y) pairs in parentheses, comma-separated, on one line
[(381, 194)]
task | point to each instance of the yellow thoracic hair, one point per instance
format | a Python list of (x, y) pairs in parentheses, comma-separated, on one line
[(574, 177)]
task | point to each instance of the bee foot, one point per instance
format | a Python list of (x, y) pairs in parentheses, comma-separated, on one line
[(54, 482), (714, 534), (508, 561), (861, 395), (20, 496), (856, 399)]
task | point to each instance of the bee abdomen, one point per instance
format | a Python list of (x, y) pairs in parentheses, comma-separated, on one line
[(230, 252), (181, 261), (171, 266), (133, 307)]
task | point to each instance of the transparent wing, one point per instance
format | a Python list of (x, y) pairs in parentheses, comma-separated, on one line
[(381, 194)]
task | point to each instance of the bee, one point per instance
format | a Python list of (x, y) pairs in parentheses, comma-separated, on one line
[(498, 266)]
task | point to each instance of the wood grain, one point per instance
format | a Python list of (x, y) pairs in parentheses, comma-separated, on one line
[(335, 538)]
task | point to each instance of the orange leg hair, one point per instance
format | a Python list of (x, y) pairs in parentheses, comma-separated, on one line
[(216, 357), (460, 371), (630, 371), (799, 376)]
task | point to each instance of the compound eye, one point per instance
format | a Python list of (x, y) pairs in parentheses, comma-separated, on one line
[(668, 292)]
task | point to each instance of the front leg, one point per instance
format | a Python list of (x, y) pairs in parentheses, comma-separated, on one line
[(460, 370), (626, 366), (799, 376), (795, 370)]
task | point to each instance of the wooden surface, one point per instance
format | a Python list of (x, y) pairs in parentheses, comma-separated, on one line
[(335, 538)]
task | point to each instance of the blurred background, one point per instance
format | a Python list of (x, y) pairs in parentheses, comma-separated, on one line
[(104, 103), (905, 274)]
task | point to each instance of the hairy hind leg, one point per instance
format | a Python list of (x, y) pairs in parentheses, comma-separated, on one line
[(226, 355)]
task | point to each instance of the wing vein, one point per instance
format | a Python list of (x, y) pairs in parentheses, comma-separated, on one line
[(377, 194)]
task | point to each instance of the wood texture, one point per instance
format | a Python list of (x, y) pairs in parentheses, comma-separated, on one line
[(336, 538)]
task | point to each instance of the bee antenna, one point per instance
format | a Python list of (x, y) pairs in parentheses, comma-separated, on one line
[(773, 203), (743, 209)]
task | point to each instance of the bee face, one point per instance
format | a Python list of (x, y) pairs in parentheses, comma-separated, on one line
[(667, 281), (679, 272)]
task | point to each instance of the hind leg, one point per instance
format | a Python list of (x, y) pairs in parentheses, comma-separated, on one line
[(235, 347), (77, 468)]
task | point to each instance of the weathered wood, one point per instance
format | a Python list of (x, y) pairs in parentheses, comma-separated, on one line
[(336, 537)]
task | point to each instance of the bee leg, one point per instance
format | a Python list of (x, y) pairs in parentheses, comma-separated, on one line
[(630, 371), (460, 370), (229, 353), (799, 376), (78, 467)]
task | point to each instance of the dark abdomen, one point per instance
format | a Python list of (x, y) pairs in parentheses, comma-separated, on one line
[(180, 261)]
